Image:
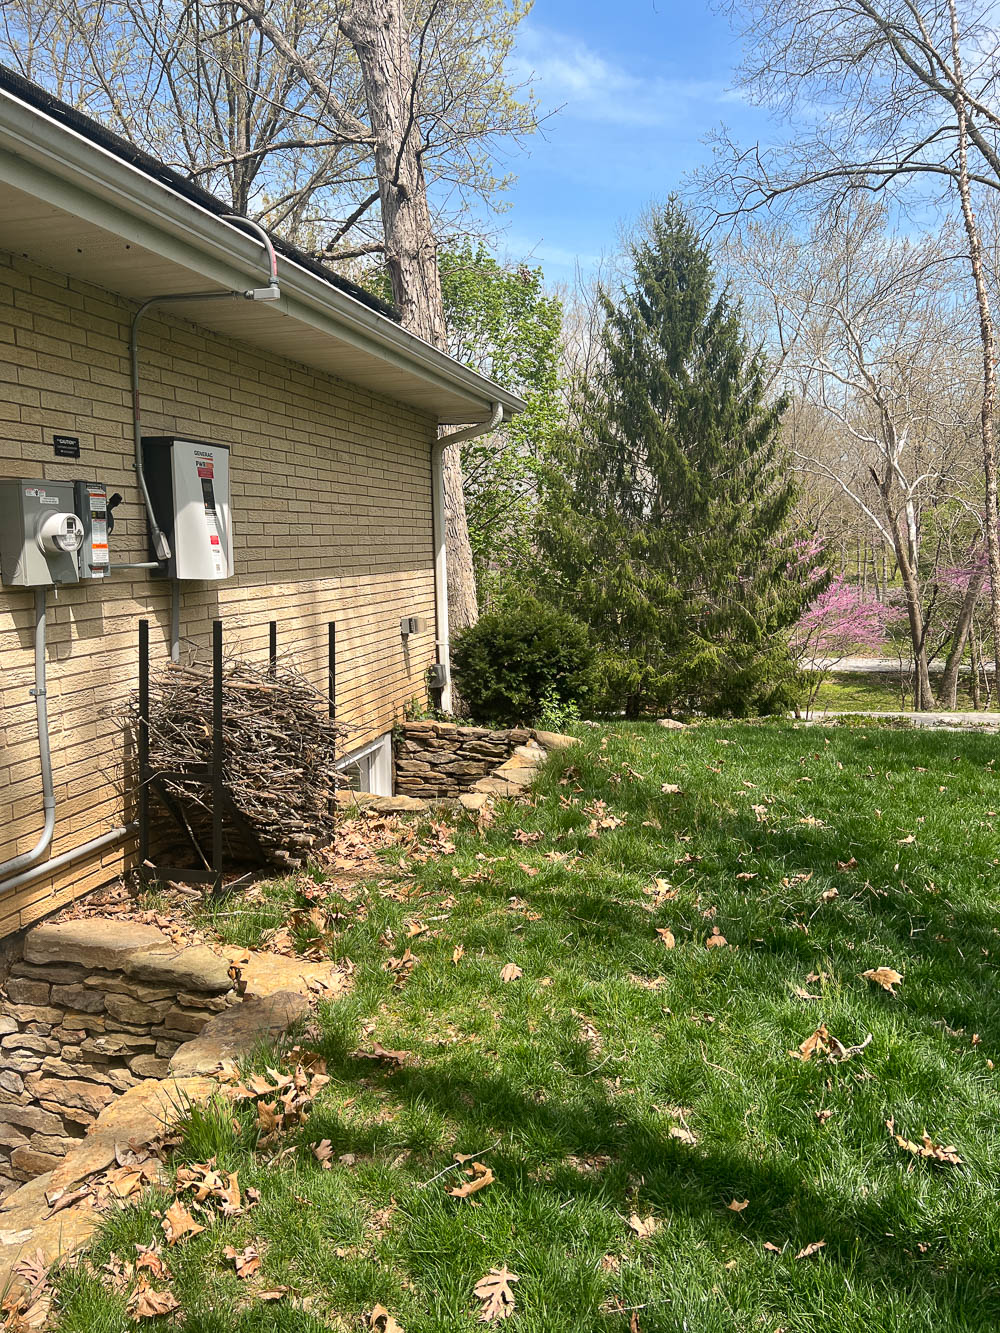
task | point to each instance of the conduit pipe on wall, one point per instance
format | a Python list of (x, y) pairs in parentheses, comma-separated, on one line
[(64, 859), (442, 641), (25, 859)]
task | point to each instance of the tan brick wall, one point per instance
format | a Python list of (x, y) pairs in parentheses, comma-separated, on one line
[(332, 518)]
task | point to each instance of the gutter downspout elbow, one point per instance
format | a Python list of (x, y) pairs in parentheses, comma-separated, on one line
[(442, 642)]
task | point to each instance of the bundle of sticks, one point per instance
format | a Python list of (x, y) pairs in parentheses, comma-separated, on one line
[(279, 751)]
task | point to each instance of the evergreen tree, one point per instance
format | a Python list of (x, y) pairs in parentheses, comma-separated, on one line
[(670, 530)]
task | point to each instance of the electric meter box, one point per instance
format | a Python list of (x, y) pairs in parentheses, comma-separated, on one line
[(94, 560), (41, 533), (188, 483)]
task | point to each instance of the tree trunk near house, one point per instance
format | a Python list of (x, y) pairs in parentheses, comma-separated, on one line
[(379, 35)]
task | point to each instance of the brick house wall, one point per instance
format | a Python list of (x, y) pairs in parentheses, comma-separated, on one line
[(331, 500)]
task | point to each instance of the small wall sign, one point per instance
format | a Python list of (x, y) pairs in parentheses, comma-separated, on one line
[(66, 446)]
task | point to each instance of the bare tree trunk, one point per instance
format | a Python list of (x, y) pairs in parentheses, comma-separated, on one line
[(987, 336), (947, 696), (922, 696), (378, 33)]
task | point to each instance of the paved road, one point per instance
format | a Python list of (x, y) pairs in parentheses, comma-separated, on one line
[(887, 666), (947, 721)]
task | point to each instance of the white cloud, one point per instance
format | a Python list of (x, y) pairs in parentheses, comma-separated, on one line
[(566, 72)]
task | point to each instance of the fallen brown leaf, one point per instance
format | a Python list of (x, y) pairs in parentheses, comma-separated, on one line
[(737, 1206), (246, 1261), (510, 972), (479, 1177), (494, 1294), (148, 1303), (643, 1227), (886, 977), (177, 1222), (667, 936), (381, 1320), (926, 1148), (810, 1249), (716, 940)]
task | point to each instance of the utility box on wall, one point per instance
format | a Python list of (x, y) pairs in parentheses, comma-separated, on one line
[(188, 483), (40, 533)]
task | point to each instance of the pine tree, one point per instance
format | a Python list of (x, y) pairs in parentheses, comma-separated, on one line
[(671, 530)]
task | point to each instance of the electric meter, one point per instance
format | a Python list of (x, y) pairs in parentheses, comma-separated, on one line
[(188, 483), (40, 533)]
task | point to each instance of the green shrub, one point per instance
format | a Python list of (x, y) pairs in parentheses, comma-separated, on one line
[(522, 662)]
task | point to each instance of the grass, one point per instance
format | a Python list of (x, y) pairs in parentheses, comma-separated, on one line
[(570, 1081), (866, 691)]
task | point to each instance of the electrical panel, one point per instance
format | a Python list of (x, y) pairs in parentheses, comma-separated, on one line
[(93, 511), (40, 533), (188, 483)]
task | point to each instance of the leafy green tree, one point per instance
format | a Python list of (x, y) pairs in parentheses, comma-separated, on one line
[(501, 322), (670, 532)]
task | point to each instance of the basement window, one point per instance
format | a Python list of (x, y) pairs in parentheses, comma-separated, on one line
[(370, 768)]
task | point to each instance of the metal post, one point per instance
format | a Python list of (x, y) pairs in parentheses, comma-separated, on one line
[(332, 667), (218, 786), (272, 648), (142, 746)]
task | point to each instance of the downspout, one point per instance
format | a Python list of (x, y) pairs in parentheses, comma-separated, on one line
[(441, 642), (26, 859)]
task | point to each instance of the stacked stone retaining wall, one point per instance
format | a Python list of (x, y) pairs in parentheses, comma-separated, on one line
[(440, 760), (86, 1013)]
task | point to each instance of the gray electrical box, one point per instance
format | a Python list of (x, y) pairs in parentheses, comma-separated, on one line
[(40, 533), (94, 559)]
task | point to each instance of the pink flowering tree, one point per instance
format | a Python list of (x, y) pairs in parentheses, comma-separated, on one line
[(840, 621)]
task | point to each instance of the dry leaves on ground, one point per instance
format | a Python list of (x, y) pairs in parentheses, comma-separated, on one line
[(511, 972), (716, 940), (382, 1321), (822, 1043), (246, 1261), (667, 936), (146, 1302), (643, 1226), (813, 1248), (495, 1295), (926, 1149), (379, 1052), (177, 1223), (737, 1205), (479, 1177), (886, 977), (682, 1134), (27, 1303)]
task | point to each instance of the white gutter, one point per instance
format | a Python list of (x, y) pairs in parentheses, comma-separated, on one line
[(442, 641), (66, 169)]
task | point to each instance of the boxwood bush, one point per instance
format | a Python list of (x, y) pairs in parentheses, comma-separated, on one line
[(522, 662)]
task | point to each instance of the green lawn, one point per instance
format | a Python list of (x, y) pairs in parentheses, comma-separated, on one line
[(620, 1077), (866, 691)]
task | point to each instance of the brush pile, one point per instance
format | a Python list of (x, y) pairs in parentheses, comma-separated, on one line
[(279, 751)]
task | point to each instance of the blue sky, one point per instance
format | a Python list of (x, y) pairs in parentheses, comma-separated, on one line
[(640, 85)]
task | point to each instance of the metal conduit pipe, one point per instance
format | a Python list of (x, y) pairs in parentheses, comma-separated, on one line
[(442, 641), (67, 858), (17, 863)]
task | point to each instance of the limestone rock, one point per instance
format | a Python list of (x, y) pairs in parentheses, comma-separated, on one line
[(22, 1042), (11, 1137), (400, 805), (31, 1118), (127, 1010), (7, 1025), (149, 1066), (116, 1045), (554, 740), (64, 974), (196, 968), (474, 800), (117, 1079), (269, 973), (11, 1085), (22, 990), (69, 1093), (92, 941), (56, 1237), (238, 1031), (82, 998), (31, 1162), (184, 1020), (33, 1013), (670, 723)]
